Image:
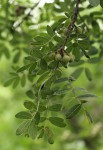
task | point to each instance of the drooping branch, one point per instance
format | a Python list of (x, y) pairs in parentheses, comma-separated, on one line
[(27, 15), (72, 24)]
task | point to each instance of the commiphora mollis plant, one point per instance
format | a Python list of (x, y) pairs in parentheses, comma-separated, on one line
[(51, 52)]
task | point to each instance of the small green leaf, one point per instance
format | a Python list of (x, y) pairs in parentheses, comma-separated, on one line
[(32, 130), (41, 134), (50, 30), (23, 80), (23, 128), (42, 78), (23, 115), (59, 122), (23, 68), (36, 53), (30, 94), (43, 64), (74, 64), (32, 67), (61, 92), (16, 57), (50, 140), (101, 3), (42, 119), (61, 80), (73, 111), (37, 117), (16, 82), (55, 107), (86, 96), (83, 101), (48, 132), (29, 105), (77, 73), (42, 108), (94, 60), (88, 117), (8, 82), (88, 74), (77, 53)]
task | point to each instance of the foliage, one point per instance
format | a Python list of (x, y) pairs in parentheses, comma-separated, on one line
[(49, 55)]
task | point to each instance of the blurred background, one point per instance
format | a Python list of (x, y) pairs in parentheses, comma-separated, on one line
[(20, 21)]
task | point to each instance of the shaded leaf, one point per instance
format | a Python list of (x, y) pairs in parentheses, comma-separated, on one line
[(30, 94), (77, 73), (57, 121), (23, 115), (89, 117), (23, 127), (73, 111), (50, 30), (55, 107), (88, 74), (32, 130), (86, 96), (23, 68), (43, 64), (29, 105)]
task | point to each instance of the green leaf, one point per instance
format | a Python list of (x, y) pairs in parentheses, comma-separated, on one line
[(41, 108), (88, 74), (101, 3), (74, 64), (61, 92), (30, 94), (32, 67), (42, 119), (8, 82), (50, 140), (77, 53), (55, 107), (59, 122), (77, 73), (86, 96), (41, 134), (58, 39), (50, 30), (16, 82), (94, 2), (94, 60), (53, 64), (43, 64), (36, 53), (88, 117), (48, 132), (73, 111), (29, 105), (61, 80), (32, 130), (37, 118), (23, 128), (23, 115), (23, 80), (42, 78), (23, 68), (16, 57)]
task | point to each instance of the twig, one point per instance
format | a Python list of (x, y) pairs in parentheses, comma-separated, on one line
[(72, 24), (27, 15)]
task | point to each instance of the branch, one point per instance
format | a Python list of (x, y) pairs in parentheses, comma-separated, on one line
[(27, 15), (72, 24)]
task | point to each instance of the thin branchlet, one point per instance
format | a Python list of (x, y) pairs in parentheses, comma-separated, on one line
[(72, 24)]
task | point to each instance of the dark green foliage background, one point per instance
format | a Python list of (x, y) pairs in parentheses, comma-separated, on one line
[(16, 42)]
